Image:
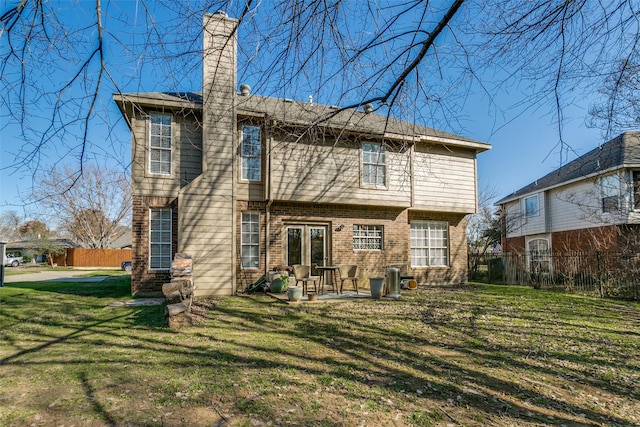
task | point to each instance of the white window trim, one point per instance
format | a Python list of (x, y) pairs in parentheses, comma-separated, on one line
[(383, 151), (151, 149), (367, 234), (242, 243), (151, 242), (529, 252), (604, 194), (259, 156), (428, 247), (635, 189), (524, 206)]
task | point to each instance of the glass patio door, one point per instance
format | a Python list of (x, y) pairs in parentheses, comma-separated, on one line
[(317, 247), (307, 245)]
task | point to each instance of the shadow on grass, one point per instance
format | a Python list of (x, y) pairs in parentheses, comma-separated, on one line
[(352, 340), (111, 287), (472, 348)]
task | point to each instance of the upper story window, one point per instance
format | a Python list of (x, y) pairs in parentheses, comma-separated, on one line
[(374, 169), (160, 144), (636, 190), (531, 206), (429, 244), (367, 237), (610, 193), (251, 153)]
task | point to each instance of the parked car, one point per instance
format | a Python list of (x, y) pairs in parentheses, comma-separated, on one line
[(126, 266), (12, 261)]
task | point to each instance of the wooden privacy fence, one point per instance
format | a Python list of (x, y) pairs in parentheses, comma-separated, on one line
[(81, 257), (603, 274)]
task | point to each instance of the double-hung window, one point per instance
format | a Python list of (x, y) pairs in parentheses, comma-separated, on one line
[(531, 206), (367, 237), (635, 178), (250, 240), (610, 192), (160, 144), (374, 168), (160, 220), (251, 153), (429, 244)]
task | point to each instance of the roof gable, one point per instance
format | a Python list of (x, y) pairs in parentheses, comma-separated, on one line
[(297, 113), (620, 151)]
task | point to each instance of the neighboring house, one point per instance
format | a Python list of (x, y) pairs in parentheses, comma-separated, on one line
[(37, 249), (589, 204), (122, 242), (243, 183)]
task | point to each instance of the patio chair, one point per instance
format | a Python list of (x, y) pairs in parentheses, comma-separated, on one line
[(349, 272), (302, 274)]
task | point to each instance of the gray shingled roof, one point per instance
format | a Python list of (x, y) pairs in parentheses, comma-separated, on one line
[(305, 113), (624, 150), (27, 244)]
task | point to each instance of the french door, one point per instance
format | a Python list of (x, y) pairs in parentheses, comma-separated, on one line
[(306, 244)]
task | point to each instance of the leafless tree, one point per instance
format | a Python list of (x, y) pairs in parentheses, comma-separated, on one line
[(9, 223), (416, 60), (94, 210)]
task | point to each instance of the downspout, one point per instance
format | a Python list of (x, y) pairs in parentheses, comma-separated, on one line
[(411, 175), (267, 259)]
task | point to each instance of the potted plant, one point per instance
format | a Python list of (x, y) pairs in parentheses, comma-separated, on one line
[(279, 284)]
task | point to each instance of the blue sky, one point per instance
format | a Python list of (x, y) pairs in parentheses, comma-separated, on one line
[(524, 139)]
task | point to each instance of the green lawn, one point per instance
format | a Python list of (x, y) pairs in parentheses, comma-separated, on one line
[(472, 355)]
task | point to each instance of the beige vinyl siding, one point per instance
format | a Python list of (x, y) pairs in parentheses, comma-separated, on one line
[(578, 205), (253, 191), (324, 173), (190, 165), (513, 214), (206, 211), (444, 179), (186, 157), (205, 224), (520, 225)]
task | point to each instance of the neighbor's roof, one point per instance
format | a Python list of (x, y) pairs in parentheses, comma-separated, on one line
[(623, 150), (305, 113), (29, 244)]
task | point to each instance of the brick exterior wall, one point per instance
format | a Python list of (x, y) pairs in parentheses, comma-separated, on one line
[(143, 280), (513, 244), (603, 239), (396, 240), (610, 238)]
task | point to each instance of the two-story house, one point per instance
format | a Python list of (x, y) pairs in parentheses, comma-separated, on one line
[(590, 204), (243, 183)]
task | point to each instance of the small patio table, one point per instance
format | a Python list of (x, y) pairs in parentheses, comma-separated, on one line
[(331, 269)]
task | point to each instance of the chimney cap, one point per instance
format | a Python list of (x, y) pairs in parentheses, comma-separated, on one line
[(368, 108), (221, 13)]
